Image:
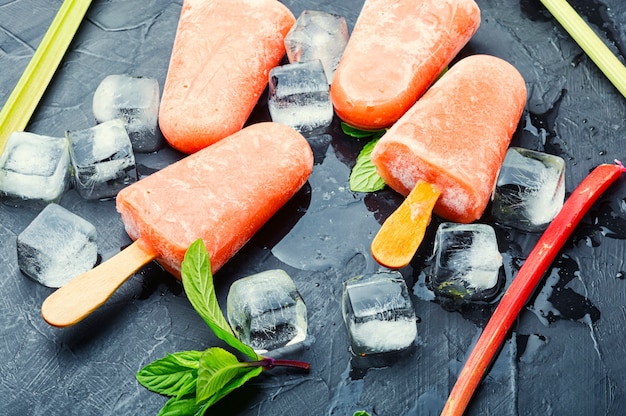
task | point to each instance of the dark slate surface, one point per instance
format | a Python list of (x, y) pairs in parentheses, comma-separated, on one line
[(565, 354)]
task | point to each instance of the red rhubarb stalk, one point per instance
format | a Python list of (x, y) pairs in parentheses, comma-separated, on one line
[(524, 284)]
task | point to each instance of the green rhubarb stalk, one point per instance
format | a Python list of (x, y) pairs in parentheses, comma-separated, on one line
[(587, 39), (30, 88)]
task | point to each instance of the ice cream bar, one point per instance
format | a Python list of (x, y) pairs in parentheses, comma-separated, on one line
[(396, 50), (455, 137), (222, 194), (221, 58)]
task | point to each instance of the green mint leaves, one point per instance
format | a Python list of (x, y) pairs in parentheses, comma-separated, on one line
[(361, 134), (363, 177), (198, 284), (175, 375), (195, 380), (220, 372)]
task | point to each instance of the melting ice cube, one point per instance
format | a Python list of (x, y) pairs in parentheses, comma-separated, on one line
[(34, 167), (318, 35), (466, 261), (299, 96), (266, 311), (530, 189), (135, 100), (56, 247), (103, 160), (378, 313)]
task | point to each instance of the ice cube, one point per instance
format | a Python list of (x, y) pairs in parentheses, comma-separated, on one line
[(378, 313), (466, 261), (103, 160), (266, 311), (530, 189), (135, 100), (56, 247), (318, 35), (299, 96), (34, 168)]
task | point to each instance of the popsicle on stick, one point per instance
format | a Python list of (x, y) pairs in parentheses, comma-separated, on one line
[(221, 58), (222, 194), (395, 52), (454, 138)]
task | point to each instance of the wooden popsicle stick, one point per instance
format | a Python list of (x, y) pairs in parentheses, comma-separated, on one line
[(85, 293), (401, 234)]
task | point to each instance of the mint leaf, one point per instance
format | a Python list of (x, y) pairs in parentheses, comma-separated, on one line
[(361, 134), (180, 407), (245, 374), (198, 284), (189, 359), (361, 413), (364, 177), (217, 368), (175, 375), (196, 380)]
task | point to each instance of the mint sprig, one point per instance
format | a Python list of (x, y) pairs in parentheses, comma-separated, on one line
[(195, 380), (363, 177), (174, 375), (361, 134), (198, 284)]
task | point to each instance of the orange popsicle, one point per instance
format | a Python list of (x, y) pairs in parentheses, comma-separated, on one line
[(222, 55), (396, 50), (455, 137), (222, 194)]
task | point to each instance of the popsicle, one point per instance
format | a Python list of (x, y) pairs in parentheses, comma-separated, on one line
[(222, 194), (219, 67), (455, 137), (395, 52)]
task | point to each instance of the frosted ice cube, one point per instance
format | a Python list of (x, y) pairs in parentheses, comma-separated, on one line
[(266, 311), (378, 313), (530, 189), (56, 247), (135, 100), (299, 96), (34, 167), (318, 35), (103, 159), (466, 261)]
